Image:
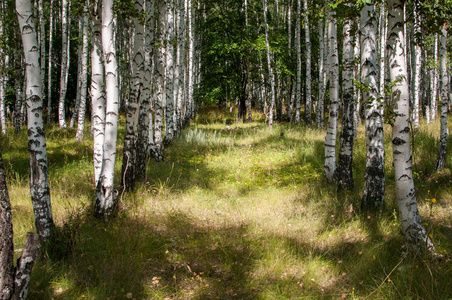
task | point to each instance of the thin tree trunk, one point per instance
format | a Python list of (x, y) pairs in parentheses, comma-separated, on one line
[(179, 70), (270, 69), (169, 82), (42, 45), (97, 89), (106, 195), (79, 76), (441, 161), (190, 85), (345, 162), (357, 52), (434, 81), (308, 106), (417, 72), (39, 182), (299, 62), (331, 135), (320, 116), (414, 232), (64, 62), (50, 69), (18, 117), (83, 78), (374, 184)]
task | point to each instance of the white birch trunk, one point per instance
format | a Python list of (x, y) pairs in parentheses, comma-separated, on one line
[(145, 121), (39, 182), (79, 75), (331, 134), (417, 72), (345, 162), (374, 184), (320, 116), (50, 68), (129, 162), (179, 70), (308, 107), (191, 43), (64, 62), (441, 160), (270, 69), (42, 45), (4, 58), (299, 62), (106, 200), (97, 89), (84, 78), (357, 52), (415, 235), (383, 36), (434, 81), (169, 82), (158, 150)]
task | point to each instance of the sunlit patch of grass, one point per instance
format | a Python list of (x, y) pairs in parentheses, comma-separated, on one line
[(235, 211)]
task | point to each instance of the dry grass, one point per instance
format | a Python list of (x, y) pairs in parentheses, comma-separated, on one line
[(233, 213)]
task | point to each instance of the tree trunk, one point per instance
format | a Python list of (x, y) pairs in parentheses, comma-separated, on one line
[(39, 183), (320, 116), (415, 235), (299, 62), (357, 51), (331, 135), (106, 200), (345, 162), (50, 70), (64, 62), (180, 67), (190, 85), (417, 72), (84, 78), (308, 106), (146, 128), (270, 69), (42, 45), (18, 117), (434, 81), (169, 82), (374, 184), (441, 161), (79, 75), (129, 162)]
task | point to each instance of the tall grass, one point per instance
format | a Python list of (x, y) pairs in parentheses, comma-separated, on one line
[(236, 211)]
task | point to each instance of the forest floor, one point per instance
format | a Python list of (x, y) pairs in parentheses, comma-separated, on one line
[(236, 211)]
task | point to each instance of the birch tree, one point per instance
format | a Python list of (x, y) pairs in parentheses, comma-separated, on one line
[(84, 77), (374, 184), (180, 66), (345, 162), (169, 82), (308, 106), (96, 90), (145, 121), (331, 134), (106, 200), (4, 60), (270, 69), (441, 161), (320, 117), (299, 62), (130, 139), (191, 52), (417, 53), (64, 61), (39, 181), (50, 66), (414, 232)]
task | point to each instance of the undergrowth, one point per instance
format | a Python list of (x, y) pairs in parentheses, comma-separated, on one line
[(235, 211)]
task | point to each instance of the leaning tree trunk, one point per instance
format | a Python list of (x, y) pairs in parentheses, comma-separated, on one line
[(331, 134), (39, 181), (441, 161), (374, 184), (345, 162), (308, 106), (106, 200), (97, 87), (414, 232), (64, 62), (270, 69), (129, 159), (83, 78)]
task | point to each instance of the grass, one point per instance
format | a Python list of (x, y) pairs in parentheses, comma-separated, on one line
[(236, 211)]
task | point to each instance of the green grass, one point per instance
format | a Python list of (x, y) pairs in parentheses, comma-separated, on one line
[(243, 213)]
